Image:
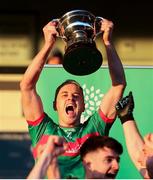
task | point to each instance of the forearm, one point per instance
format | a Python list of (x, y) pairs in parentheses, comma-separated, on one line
[(53, 170), (40, 169), (118, 82), (33, 71), (115, 66), (134, 140)]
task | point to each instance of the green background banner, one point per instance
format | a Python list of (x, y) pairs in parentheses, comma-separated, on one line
[(139, 81)]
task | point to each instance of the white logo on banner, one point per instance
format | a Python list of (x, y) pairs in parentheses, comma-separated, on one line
[(92, 98)]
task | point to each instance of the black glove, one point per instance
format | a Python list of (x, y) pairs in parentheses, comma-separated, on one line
[(125, 108)]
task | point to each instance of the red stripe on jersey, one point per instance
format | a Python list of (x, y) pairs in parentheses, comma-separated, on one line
[(36, 122), (106, 119), (73, 147)]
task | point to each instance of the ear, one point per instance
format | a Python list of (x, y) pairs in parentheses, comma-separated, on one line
[(88, 169), (83, 109), (87, 165), (54, 106)]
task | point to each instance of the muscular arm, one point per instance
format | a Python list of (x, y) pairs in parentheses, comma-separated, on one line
[(31, 102), (116, 73), (133, 138)]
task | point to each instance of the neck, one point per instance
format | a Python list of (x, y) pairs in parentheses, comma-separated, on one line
[(69, 123)]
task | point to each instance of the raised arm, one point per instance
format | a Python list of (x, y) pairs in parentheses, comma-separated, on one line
[(116, 72), (133, 138), (31, 102)]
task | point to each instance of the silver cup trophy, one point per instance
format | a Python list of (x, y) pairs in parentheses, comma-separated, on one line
[(79, 28)]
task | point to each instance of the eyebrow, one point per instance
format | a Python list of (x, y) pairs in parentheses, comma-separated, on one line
[(64, 92), (76, 92), (113, 157)]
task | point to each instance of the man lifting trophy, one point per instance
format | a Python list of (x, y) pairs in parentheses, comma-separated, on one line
[(78, 29)]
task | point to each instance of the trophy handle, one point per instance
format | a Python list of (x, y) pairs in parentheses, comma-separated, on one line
[(58, 29), (97, 25)]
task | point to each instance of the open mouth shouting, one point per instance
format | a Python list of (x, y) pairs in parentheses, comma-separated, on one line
[(70, 110)]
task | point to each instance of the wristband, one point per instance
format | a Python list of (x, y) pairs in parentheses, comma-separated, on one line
[(128, 117)]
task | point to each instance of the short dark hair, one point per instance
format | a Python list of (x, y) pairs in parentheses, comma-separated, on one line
[(68, 81), (96, 142), (57, 53)]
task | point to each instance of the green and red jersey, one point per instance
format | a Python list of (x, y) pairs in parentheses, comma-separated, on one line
[(69, 163)]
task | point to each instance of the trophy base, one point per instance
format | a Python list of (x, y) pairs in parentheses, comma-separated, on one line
[(82, 59)]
